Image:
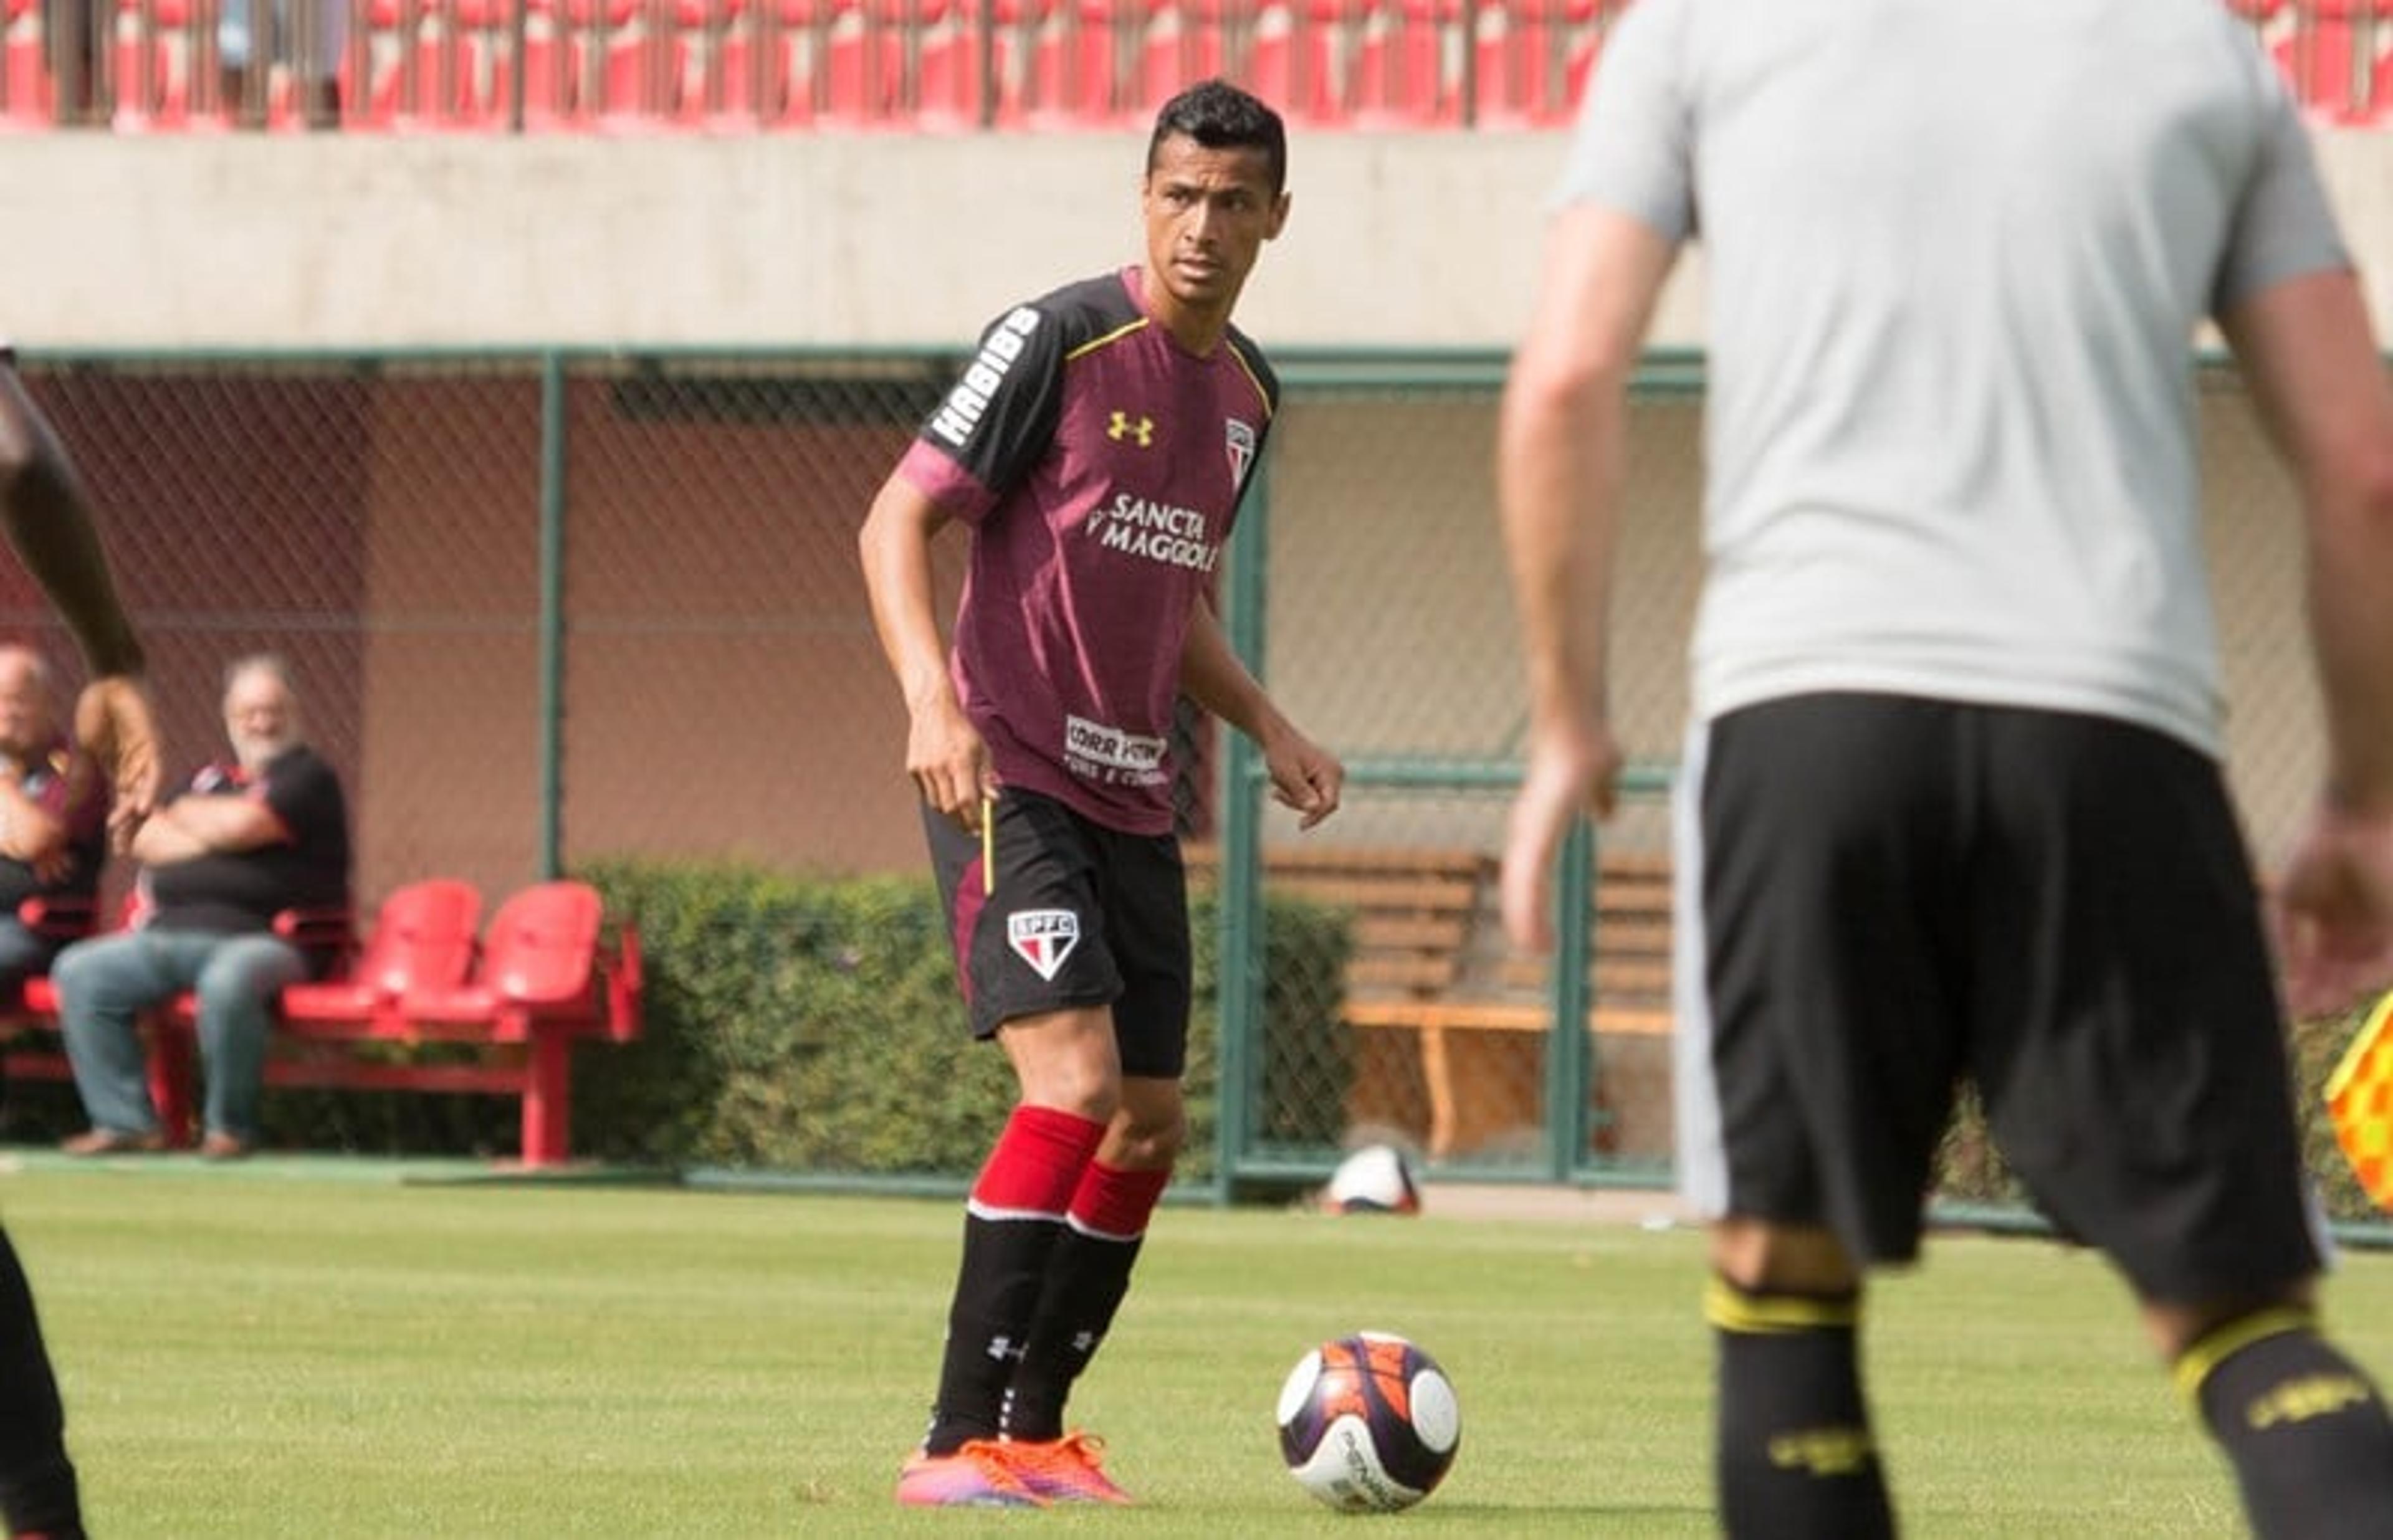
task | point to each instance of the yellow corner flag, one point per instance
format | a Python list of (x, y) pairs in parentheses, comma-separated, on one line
[(2360, 1101)]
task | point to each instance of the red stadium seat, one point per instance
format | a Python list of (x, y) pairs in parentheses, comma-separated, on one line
[(1097, 88), (767, 63), (944, 69), (25, 75), (1018, 31), (546, 977), (550, 81), (423, 938), (2331, 57), (1401, 79), (439, 74), (1532, 60), (1182, 45), (844, 76), (631, 60), (1301, 54)]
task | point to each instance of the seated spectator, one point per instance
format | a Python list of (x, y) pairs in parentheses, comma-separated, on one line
[(53, 814), (268, 831)]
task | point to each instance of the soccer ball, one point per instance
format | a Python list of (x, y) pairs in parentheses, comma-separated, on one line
[(1368, 1423), (1374, 1180)]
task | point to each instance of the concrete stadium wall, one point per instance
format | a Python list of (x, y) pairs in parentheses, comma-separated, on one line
[(827, 239)]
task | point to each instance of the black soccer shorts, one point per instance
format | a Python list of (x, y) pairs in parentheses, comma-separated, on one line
[(1063, 912), (1893, 893)]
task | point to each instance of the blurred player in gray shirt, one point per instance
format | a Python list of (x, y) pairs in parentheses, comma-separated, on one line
[(1951, 805)]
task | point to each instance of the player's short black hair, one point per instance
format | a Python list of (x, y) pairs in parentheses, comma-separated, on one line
[(1219, 116)]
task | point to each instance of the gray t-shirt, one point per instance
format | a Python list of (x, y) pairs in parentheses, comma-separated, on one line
[(1955, 255)]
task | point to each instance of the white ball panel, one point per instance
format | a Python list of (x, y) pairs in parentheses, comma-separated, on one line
[(1437, 1416), (1299, 1385)]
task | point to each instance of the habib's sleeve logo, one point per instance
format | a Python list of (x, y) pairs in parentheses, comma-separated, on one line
[(966, 403)]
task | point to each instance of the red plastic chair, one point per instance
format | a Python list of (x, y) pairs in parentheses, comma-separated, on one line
[(2321, 58), (26, 70), (423, 937), (551, 79), (546, 978), (539, 958)]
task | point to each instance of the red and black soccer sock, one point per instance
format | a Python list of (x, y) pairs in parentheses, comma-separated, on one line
[(1087, 1276), (1795, 1456), (2306, 1429), (37, 1480), (1012, 1223)]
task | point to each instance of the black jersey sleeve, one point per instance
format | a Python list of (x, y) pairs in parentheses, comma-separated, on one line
[(998, 417), (1266, 382)]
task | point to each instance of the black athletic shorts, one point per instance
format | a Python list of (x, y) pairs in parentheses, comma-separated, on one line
[(1894, 893), (1070, 914)]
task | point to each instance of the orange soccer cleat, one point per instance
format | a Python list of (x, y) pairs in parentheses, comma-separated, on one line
[(1068, 1469), (979, 1474)]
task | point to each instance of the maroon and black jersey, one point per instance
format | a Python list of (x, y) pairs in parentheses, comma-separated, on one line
[(1100, 465)]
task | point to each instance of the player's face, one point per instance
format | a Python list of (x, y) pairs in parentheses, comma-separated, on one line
[(1209, 212)]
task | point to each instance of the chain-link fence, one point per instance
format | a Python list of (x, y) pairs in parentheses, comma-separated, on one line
[(546, 609)]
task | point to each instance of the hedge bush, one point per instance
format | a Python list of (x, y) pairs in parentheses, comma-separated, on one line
[(811, 1024), (805, 1024)]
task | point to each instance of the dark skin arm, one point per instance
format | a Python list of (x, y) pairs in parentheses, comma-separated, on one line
[(48, 523)]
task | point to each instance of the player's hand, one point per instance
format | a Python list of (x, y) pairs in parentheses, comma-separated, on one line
[(949, 761), (2334, 911), (1304, 776), (1567, 775), (114, 726)]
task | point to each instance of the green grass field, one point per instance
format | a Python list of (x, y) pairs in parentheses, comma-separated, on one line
[(315, 1348)]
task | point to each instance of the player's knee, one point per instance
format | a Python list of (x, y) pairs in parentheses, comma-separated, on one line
[(1060, 1062), (1760, 1257), (1147, 1141)]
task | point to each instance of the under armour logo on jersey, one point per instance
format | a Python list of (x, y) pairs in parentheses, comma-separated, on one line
[(1043, 938), (1240, 441), (1120, 427)]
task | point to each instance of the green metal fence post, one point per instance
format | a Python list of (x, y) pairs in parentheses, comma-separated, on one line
[(552, 612), (1566, 1044), (1242, 933)]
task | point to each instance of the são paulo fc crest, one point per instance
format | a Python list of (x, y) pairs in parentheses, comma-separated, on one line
[(1043, 938), (1240, 440)]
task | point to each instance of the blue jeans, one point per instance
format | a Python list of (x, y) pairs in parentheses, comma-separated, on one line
[(105, 983), (22, 953)]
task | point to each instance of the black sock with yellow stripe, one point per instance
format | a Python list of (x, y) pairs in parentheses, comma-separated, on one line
[(1795, 1457), (2306, 1429)]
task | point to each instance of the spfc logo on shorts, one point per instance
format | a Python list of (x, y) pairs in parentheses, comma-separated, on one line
[(1043, 938)]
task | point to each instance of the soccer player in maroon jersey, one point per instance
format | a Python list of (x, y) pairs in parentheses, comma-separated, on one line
[(44, 514), (1096, 446)]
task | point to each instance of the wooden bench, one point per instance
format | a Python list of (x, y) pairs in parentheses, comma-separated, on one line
[(1438, 1000), (546, 974)]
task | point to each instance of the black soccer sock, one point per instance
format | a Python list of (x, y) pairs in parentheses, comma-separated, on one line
[(2306, 1429), (1088, 1275), (1011, 1226), (1795, 1457), (37, 1480)]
